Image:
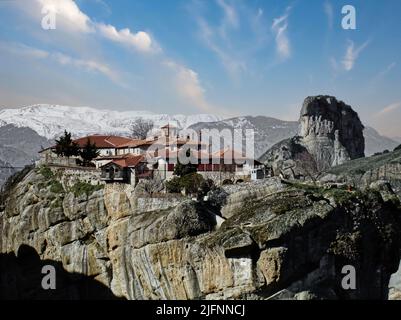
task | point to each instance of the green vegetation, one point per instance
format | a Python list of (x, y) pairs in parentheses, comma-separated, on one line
[(46, 172), (52, 180), (81, 187), (65, 147), (340, 195), (174, 185), (192, 183), (88, 153), (56, 187)]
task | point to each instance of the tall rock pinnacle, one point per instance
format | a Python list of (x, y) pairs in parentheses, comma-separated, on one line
[(331, 131)]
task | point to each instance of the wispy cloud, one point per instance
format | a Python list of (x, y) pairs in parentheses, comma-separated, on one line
[(230, 18), (90, 65), (352, 54), (385, 71), (188, 85), (389, 109), (224, 38), (233, 65), (279, 28), (329, 11)]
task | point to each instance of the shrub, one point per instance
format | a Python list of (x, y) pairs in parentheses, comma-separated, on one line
[(174, 185), (86, 188), (46, 172), (181, 170), (56, 187), (191, 182)]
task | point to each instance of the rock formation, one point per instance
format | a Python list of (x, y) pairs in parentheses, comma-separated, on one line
[(272, 240), (331, 133)]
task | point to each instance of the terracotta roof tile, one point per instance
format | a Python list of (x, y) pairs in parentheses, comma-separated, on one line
[(125, 161), (103, 141)]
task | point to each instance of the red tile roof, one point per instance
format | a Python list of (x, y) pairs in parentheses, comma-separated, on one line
[(133, 143), (125, 161), (103, 141)]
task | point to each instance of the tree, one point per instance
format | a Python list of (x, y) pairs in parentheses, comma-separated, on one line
[(181, 170), (398, 148), (174, 185), (89, 152), (140, 128), (65, 147), (191, 183)]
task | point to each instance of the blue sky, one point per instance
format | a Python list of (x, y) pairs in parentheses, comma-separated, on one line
[(229, 57)]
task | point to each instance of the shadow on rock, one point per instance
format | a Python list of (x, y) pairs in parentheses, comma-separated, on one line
[(21, 278)]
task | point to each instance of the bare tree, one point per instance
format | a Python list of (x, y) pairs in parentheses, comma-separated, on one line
[(140, 128), (153, 186)]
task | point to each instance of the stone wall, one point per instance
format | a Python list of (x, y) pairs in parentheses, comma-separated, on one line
[(70, 175)]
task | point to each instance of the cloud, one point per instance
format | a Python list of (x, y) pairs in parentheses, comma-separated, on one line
[(60, 58), (220, 38), (231, 18), (188, 85), (352, 54), (90, 65), (389, 109), (385, 71), (70, 18), (23, 50), (67, 14), (140, 41), (232, 65), (279, 28), (329, 11)]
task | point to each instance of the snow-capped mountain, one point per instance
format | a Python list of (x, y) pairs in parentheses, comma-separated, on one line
[(267, 131), (51, 120)]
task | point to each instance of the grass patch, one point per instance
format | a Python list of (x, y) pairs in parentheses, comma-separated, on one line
[(56, 187), (46, 172), (80, 188), (341, 196)]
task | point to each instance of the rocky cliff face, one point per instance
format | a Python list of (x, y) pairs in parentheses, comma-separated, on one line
[(273, 240), (331, 133)]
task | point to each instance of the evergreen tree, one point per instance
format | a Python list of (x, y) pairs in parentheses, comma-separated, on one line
[(181, 170), (89, 152), (65, 147)]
